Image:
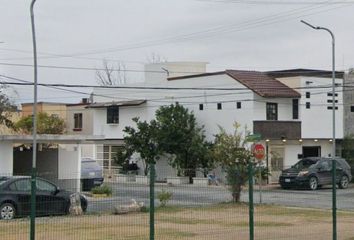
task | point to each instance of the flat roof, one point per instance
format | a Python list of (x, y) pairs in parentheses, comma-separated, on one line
[(53, 138)]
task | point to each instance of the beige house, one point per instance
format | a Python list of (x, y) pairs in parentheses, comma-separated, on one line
[(51, 108)]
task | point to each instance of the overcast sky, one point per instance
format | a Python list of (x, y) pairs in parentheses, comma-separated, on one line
[(229, 34)]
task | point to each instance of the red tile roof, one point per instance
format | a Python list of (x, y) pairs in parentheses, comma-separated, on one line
[(259, 82), (262, 84)]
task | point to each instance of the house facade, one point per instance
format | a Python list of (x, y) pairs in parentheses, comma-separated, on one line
[(290, 109)]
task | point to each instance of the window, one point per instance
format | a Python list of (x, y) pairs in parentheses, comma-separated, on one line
[(329, 94), (352, 108), (308, 105), (272, 111), (330, 101), (23, 185), (77, 120), (295, 108), (330, 108), (45, 186), (113, 114), (308, 94), (238, 105), (219, 106), (201, 107)]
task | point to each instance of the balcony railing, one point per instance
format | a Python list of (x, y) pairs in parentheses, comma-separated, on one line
[(278, 129)]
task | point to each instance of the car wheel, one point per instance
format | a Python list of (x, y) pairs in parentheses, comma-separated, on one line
[(344, 182), (7, 211), (313, 183)]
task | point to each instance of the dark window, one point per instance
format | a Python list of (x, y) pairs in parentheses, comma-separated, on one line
[(201, 107), (219, 106), (23, 185), (77, 120), (45, 186), (272, 111), (352, 108), (330, 101), (308, 94), (329, 94), (238, 105), (308, 105), (330, 108), (295, 108), (113, 114)]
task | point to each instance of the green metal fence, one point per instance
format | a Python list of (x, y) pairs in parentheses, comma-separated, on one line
[(202, 210)]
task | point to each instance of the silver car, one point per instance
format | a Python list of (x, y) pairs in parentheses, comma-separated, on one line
[(91, 173)]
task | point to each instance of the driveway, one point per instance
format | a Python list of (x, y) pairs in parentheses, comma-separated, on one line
[(189, 195)]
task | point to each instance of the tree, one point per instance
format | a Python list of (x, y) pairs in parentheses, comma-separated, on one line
[(111, 74), (230, 151), (6, 108), (181, 137), (45, 124), (142, 140)]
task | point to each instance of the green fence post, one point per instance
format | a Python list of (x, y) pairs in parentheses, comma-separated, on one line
[(152, 201), (33, 205), (250, 196), (334, 199)]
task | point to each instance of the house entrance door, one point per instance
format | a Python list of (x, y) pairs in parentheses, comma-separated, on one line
[(276, 162)]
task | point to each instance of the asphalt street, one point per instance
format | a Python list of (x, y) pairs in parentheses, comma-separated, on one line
[(189, 195)]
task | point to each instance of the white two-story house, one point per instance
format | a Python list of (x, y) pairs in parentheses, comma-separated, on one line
[(291, 109)]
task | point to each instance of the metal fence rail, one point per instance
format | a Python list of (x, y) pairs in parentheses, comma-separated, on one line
[(202, 210)]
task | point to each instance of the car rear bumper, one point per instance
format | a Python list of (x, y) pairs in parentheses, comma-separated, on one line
[(293, 181)]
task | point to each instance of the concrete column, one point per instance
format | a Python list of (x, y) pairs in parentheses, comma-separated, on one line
[(6, 159)]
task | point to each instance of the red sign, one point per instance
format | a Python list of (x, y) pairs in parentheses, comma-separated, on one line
[(259, 151)]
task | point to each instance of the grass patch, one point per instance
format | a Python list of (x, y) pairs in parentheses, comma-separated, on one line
[(261, 224)]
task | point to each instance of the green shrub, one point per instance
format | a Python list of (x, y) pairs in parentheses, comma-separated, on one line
[(103, 189), (164, 196)]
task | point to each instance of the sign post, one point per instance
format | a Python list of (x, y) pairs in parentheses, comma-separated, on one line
[(259, 152)]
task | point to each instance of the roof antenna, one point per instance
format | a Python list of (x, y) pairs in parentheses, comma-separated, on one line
[(166, 70)]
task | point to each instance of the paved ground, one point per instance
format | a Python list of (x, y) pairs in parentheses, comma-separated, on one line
[(189, 195)]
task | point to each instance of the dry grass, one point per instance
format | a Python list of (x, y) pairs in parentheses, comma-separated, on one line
[(226, 221)]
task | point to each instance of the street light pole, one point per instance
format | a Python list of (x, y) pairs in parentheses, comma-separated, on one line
[(334, 193), (34, 147)]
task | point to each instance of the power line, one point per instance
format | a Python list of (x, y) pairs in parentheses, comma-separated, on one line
[(216, 30), (130, 70), (276, 2)]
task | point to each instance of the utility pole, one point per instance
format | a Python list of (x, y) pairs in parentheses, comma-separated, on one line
[(34, 147)]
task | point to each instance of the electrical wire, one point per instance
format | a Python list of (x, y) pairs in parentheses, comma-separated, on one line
[(246, 25)]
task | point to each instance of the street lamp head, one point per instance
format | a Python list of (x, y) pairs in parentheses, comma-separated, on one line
[(310, 25)]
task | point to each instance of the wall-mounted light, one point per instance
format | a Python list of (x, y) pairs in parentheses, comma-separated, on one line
[(283, 139), (300, 140), (315, 140), (330, 140), (267, 140)]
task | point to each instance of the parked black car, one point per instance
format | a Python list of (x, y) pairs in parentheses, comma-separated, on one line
[(315, 172), (15, 196)]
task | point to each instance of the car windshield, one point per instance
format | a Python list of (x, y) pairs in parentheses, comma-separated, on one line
[(304, 164)]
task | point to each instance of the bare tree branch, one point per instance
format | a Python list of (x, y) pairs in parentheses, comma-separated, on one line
[(111, 74)]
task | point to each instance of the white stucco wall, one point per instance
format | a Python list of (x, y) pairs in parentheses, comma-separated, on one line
[(253, 107), (6, 159), (69, 161), (317, 120)]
